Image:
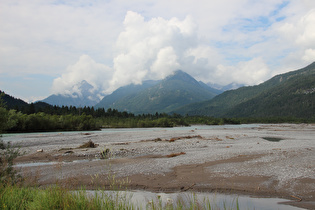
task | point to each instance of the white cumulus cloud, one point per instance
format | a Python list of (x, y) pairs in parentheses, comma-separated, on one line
[(122, 42), (150, 49), (249, 72), (165, 62)]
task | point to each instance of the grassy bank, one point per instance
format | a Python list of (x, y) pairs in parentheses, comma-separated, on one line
[(56, 197)]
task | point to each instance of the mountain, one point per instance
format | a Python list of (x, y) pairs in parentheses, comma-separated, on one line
[(289, 94), (166, 95), (84, 95)]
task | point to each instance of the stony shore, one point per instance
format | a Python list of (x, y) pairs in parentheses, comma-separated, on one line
[(260, 160)]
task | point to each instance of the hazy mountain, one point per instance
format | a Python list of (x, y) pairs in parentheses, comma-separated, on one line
[(222, 88), (166, 95), (289, 94), (83, 96), (211, 88)]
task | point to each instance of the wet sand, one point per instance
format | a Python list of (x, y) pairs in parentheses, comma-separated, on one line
[(227, 159)]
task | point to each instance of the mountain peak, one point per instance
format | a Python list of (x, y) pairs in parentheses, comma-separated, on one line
[(84, 88), (181, 75), (84, 84)]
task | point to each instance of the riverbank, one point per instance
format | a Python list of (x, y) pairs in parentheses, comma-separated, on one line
[(258, 160)]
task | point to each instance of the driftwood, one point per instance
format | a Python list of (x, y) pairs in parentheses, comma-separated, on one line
[(188, 188), (299, 199), (89, 144), (175, 154)]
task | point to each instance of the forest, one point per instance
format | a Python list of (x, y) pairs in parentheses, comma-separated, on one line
[(36, 118)]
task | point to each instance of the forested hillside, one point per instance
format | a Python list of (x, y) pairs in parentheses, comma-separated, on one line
[(289, 94), (123, 93)]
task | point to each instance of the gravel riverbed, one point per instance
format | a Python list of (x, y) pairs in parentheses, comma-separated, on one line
[(272, 160)]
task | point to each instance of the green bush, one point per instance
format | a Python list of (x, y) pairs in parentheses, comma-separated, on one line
[(8, 175)]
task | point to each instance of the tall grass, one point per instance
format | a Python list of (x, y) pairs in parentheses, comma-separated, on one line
[(56, 197)]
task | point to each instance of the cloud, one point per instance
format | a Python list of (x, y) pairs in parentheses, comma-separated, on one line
[(309, 55), (46, 36), (295, 37), (131, 41), (153, 49), (166, 62), (86, 69), (150, 49), (250, 72)]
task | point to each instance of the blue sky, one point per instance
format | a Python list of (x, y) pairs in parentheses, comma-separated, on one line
[(46, 47)]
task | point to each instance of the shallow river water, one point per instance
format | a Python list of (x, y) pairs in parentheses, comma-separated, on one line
[(144, 200)]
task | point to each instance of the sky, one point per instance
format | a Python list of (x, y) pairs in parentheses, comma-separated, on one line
[(49, 46)]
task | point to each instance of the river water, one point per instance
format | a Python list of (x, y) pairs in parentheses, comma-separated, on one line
[(20, 136), (145, 199)]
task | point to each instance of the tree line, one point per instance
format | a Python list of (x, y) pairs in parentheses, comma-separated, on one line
[(43, 117)]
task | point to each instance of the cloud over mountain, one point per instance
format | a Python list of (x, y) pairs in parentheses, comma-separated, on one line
[(85, 69), (153, 49)]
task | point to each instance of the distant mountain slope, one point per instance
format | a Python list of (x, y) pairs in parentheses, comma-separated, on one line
[(222, 88), (211, 89), (166, 95), (84, 96), (18, 104), (289, 94)]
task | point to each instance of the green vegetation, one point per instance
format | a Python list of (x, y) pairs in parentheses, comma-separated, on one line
[(41, 122), (14, 197), (8, 175)]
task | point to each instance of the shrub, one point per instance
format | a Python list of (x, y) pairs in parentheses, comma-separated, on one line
[(8, 175)]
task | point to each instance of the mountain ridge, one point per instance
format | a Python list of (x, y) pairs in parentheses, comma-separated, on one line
[(166, 95)]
